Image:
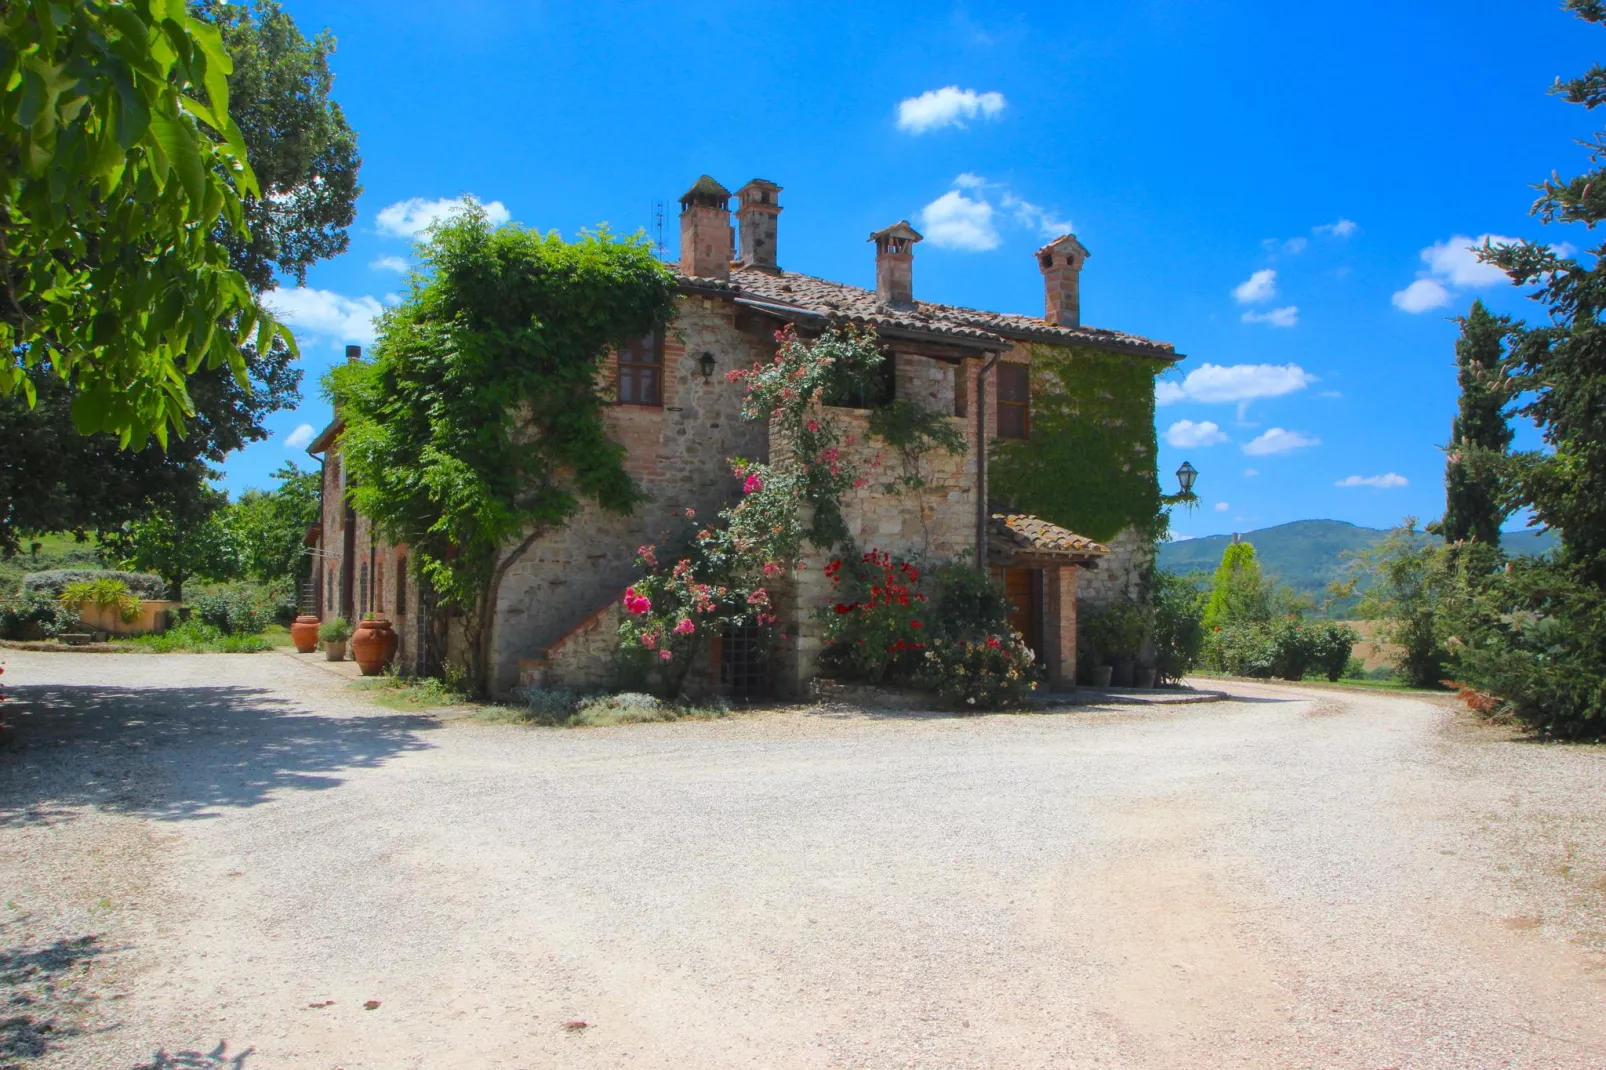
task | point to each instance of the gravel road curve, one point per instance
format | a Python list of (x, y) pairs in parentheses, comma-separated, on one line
[(236, 861)]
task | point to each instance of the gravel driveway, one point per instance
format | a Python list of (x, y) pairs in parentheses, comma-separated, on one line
[(235, 861)]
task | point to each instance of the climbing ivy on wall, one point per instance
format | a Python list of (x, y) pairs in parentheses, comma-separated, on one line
[(478, 420), (1089, 464)]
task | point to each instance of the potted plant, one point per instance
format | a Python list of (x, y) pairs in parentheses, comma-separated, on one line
[(373, 644), (334, 634)]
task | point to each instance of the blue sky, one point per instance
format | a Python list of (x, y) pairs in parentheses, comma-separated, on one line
[(1282, 190)]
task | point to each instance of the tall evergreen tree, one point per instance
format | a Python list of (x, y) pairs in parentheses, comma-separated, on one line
[(1480, 436)]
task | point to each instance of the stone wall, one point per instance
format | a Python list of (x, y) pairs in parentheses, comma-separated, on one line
[(1119, 573), (677, 453)]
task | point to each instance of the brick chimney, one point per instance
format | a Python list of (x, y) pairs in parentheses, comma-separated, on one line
[(1061, 262), (895, 263), (705, 230), (757, 216)]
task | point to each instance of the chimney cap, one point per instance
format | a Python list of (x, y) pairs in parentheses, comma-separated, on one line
[(1066, 243), (900, 229), (707, 193), (761, 183)]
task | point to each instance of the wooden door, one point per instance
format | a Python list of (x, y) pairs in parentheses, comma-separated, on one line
[(1024, 587)]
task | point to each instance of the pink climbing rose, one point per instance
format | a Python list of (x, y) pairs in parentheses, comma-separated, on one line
[(685, 627), (636, 604), (753, 484)]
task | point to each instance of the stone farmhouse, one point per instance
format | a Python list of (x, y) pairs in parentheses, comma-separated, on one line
[(559, 606)]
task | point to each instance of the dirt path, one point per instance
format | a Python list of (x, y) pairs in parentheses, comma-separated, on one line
[(217, 861)]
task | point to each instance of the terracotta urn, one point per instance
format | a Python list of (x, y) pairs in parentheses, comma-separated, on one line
[(373, 644), (304, 634)]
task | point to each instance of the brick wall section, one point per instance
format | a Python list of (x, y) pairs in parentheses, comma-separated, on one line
[(678, 454)]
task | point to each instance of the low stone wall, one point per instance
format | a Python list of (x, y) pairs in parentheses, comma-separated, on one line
[(153, 617)]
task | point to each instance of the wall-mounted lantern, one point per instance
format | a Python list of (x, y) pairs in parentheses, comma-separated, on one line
[(1185, 477), (705, 363)]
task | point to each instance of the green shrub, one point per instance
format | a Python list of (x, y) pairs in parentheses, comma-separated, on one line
[(242, 608), (966, 604), (986, 674), (54, 581), (1286, 648), (1354, 669), (36, 615), (107, 594), (197, 637), (1115, 631), (1176, 627), (337, 630)]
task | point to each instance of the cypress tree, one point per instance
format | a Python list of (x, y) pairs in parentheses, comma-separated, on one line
[(1480, 434)]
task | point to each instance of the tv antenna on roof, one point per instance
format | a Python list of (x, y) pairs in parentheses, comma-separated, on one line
[(658, 224)]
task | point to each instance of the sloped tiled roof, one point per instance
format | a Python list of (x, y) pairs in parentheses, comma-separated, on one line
[(1020, 533), (840, 302)]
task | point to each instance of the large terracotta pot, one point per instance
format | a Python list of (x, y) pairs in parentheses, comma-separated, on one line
[(304, 634), (373, 644)]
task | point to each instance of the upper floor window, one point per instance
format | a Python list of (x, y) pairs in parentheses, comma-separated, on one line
[(879, 389), (1014, 400), (641, 369)]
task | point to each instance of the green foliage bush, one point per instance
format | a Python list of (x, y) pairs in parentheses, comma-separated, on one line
[(1286, 648), (336, 630), (54, 581), (1176, 626), (988, 674), (108, 594), (196, 637), (1115, 631), (243, 608), (35, 615)]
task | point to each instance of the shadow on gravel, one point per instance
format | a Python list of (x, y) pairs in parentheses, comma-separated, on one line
[(175, 753), (216, 1059), (39, 990)]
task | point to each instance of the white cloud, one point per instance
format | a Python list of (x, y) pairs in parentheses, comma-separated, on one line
[(1295, 245), (1216, 383), (966, 218), (389, 263), (410, 218), (1451, 264), (948, 106), (1261, 286), (299, 437), (1387, 481), (1343, 228), (1222, 507), (1421, 295), (1186, 434), (1277, 317), (1277, 440), (1456, 262), (325, 314), (954, 221), (1251, 473)]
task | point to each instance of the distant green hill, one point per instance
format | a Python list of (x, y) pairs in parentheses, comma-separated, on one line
[(1307, 555)]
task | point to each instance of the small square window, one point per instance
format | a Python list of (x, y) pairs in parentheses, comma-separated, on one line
[(641, 367), (1014, 400)]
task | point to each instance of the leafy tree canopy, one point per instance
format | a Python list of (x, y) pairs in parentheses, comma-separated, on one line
[(52, 478), (1239, 592), (1480, 436), (118, 161), (1559, 369), (479, 420), (267, 527)]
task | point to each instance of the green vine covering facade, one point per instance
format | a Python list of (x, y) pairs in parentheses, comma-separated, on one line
[(1089, 464)]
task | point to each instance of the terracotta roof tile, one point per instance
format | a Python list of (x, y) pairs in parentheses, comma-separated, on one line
[(1022, 533), (838, 301)]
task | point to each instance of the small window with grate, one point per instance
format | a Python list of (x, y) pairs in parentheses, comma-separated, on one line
[(641, 372), (876, 390), (1014, 400)]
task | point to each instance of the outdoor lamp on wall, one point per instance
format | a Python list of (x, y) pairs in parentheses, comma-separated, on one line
[(1186, 475), (706, 364)]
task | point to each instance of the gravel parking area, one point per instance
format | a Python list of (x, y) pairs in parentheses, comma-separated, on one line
[(236, 861)]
